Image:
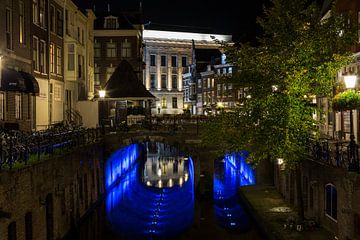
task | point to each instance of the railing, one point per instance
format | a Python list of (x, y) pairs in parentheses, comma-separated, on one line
[(21, 148), (336, 153)]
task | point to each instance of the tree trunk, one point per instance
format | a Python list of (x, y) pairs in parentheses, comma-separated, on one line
[(265, 172), (299, 193)]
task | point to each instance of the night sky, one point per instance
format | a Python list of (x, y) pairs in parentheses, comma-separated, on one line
[(205, 16)]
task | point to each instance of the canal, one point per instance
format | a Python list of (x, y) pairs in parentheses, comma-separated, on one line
[(151, 193)]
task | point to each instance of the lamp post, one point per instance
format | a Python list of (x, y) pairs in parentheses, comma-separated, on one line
[(102, 94), (350, 82)]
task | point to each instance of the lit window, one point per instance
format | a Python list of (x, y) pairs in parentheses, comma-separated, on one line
[(57, 92), (18, 106), (111, 22), (2, 106), (9, 43), (331, 201), (111, 49), (163, 102), (36, 53), (52, 58), (126, 49), (58, 60), (109, 72), (35, 14), (42, 57), (21, 22)]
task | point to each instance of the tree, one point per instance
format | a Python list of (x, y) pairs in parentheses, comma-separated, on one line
[(297, 58)]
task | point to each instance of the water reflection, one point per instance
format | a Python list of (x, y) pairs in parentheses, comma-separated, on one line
[(154, 198), (231, 172)]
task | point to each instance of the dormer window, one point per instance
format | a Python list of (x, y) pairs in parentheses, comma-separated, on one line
[(111, 22)]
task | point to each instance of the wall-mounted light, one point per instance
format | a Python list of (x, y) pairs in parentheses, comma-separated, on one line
[(350, 80), (102, 93)]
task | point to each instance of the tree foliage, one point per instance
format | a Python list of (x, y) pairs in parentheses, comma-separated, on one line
[(300, 54)]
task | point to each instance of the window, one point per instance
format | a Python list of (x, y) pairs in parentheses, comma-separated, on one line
[(331, 201), (184, 61), (152, 60), (52, 58), (9, 43), (59, 21), (36, 53), (57, 92), (163, 81), (126, 49), (52, 18), (42, 13), (111, 49), (173, 61), (71, 57), (35, 14), (28, 226), (357, 224), (109, 72), (12, 231), (163, 61), (111, 22), (97, 49), (174, 81), (42, 62), (2, 106), (97, 75), (81, 66), (18, 106), (58, 60), (21, 23), (152, 81), (174, 102), (163, 102)]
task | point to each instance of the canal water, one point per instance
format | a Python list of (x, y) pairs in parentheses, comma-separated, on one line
[(151, 194)]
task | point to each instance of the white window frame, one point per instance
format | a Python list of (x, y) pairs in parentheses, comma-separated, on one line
[(126, 49), (18, 106), (110, 49), (58, 60)]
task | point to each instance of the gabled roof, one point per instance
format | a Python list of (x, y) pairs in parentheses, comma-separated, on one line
[(124, 84)]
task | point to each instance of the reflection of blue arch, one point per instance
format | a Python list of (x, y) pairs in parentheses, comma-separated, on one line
[(136, 211), (231, 172)]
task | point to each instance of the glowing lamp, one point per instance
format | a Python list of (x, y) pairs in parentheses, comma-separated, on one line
[(102, 93), (350, 81)]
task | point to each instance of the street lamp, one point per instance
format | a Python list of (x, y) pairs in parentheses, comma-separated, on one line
[(102, 93), (350, 82)]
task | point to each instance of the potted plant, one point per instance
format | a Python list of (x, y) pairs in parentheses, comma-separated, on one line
[(346, 100)]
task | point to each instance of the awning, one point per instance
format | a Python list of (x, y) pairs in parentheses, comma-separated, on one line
[(32, 86), (12, 80)]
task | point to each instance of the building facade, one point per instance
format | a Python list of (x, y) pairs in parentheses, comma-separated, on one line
[(167, 55)]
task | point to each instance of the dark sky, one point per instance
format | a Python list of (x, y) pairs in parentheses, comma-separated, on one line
[(220, 16)]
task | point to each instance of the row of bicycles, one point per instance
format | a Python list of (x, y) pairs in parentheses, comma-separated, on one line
[(18, 147)]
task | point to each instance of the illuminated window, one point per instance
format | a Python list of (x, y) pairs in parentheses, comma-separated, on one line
[(18, 106), (111, 49), (152, 60), (109, 72), (52, 58), (110, 22), (2, 106), (126, 49), (35, 14), (21, 22), (331, 201), (35, 53), (9, 43), (163, 102), (58, 61), (57, 92)]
